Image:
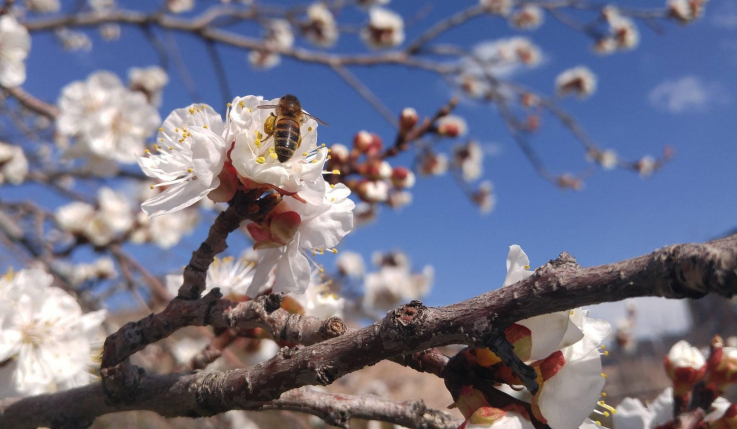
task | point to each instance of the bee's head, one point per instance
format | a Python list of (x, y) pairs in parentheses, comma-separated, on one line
[(289, 105)]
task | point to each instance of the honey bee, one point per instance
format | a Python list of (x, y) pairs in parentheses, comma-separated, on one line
[(285, 126)]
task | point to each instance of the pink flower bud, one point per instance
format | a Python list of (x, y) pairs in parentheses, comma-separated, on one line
[(403, 178), (362, 140), (685, 365), (408, 119), (339, 153), (452, 126), (434, 164)]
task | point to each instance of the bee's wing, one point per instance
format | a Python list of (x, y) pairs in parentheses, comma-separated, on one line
[(320, 121), (267, 106)]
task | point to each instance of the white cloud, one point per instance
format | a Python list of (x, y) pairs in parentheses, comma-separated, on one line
[(655, 317), (688, 94)]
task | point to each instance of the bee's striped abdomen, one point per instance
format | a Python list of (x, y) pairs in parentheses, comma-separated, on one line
[(286, 138)]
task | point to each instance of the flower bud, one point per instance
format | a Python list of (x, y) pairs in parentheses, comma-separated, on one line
[(646, 166), (433, 164), (408, 119), (403, 178), (399, 199), (529, 100), (469, 400), (452, 126), (373, 191), (350, 264), (376, 169), (722, 365), (685, 365), (362, 140), (339, 153)]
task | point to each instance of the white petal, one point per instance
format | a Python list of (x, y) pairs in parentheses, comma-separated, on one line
[(267, 260), (292, 271), (517, 265), (175, 197)]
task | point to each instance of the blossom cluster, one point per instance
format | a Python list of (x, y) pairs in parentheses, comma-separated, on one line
[(198, 155), (46, 342), (564, 350), (110, 122)]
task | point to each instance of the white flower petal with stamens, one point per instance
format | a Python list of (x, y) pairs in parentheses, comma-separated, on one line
[(321, 227), (45, 334), (190, 156)]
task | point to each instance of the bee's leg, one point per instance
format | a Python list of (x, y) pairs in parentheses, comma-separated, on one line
[(269, 125), (299, 142)]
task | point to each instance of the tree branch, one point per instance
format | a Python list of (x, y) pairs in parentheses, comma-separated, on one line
[(679, 271)]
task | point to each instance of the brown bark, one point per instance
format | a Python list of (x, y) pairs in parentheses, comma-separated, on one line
[(680, 271)]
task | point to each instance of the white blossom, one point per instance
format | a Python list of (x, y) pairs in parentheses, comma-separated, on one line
[(683, 355), (150, 80), (110, 31), (179, 6), (98, 225), (686, 11), (72, 40), (190, 154), (433, 164), (278, 36), (395, 282), (398, 199), (255, 159), (13, 164), (43, 6), (165, 231), (109, 121), (232, 276), (384, 30), (373, 191), (44, 336), (469, 158), (499, 7), (350, 264), (529, 17), (15, 42), (102, 268), (318, 300), (646, 165), (623, 33), (321, 28), (579, 81), (295, 227)]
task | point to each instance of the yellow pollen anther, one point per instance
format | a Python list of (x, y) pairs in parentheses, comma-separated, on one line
[(189, 170), (571, 313), (598, 422), (603, 375), (258, 135), (176, 130), (606, 353), (150, 186), (603, 346), (330, 157), (603, 394), (260, 159), (161, 129), (146, 151), (227, 105), (336, 171), (204, 126), (527, 267), (161, 140), (332, 200), (243, 106), (257, 143), (335, 250), (332, 185), (273, 155), (313, 161), (249, 110), (304, 153), (606, 414), (322, 145), (309, 128), (156, 146), (271, 149), (171, 147)]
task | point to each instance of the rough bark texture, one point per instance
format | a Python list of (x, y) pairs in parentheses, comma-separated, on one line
[(680, 271), (338, 410)]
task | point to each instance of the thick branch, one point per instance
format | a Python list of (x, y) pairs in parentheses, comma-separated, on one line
[(680, 271), (338, 410)]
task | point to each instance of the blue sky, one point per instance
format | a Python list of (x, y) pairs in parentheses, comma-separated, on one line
[(618, 215)]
